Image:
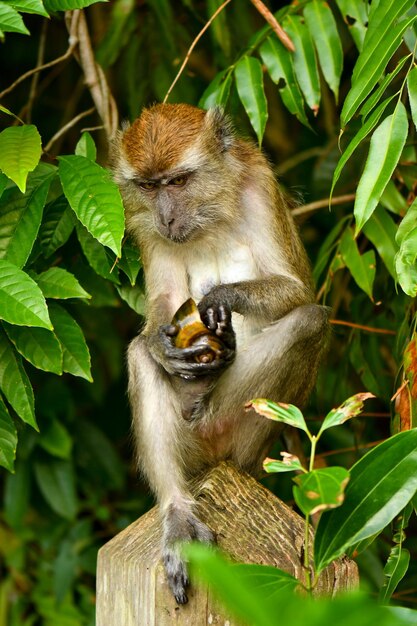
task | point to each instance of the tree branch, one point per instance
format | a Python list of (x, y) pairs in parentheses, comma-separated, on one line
[(270, 18)]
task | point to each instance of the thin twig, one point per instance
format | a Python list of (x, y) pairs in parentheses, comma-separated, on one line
[(270, 18), (35, 77), (94, 75), (399, 390), (66, 55), (193, 45), (321, 204), (370, 329), (297, 159), (67, 127)]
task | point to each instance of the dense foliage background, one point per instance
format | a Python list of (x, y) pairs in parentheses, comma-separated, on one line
[(71, 295)]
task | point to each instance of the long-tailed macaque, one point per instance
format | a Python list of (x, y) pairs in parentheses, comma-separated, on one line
[(212, 224)]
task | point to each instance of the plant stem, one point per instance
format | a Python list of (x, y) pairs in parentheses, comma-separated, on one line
[(307, 553)]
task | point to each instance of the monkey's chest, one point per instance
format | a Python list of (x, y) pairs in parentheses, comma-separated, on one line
[(231, 264)]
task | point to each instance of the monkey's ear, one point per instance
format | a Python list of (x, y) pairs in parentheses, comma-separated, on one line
[(221, 126)]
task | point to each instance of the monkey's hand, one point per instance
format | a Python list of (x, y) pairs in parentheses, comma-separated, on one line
[(183, 361), (217, 316)]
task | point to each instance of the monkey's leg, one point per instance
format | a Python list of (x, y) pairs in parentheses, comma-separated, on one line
[(165, 445), (281, 364)]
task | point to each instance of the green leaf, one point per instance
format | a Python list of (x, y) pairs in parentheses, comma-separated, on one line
[(376, 96), (305, 63), (385, 150), (14, 382), (102, 456), (100, 259), (3, 183), (412, 93), (381, 484), (323, 29), (8, 438), (392, 199), (134, 297), (405, 263), (350, 408), (11, 22), (68, 5), (56, 440), (28, 6), (58, 223), (279, 412), (369, 125), (320, 489), (377, 54), (20, 219), (95, 199), (408, 223), (399, 558), (20, 151), (58, 283), (17, 491), (130, 262), (218, 91), (289, 464), (327, 247), (86, 147), (361, 366), (380, 229), (251, 592), (38, 346), (76, 357), (55, 479), (21, 300), (355, 14), (279, 63), (361, 266), (249, 84)]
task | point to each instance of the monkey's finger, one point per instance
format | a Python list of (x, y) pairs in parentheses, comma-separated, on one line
[(169, 329), (225, 315), (210, 318)]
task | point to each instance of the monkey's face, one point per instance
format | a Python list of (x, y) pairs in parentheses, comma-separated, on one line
[(171, 169)]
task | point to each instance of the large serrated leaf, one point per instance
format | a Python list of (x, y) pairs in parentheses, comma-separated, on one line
[(29, 6), (20, 151), (372, 71), (305, 63), (381, 484), (385, 150), (58, 283), (249, 84), (68, 5), (361, 266), (56, 481), (279, 63), (76, 357), (11, 21), (95, 199), (14, 383), (20, 219), (100, 259), (38, 346), (8, 438), (58, 223), (21, 300), (323, 29)]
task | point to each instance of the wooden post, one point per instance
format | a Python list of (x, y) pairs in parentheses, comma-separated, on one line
[(252, 526)]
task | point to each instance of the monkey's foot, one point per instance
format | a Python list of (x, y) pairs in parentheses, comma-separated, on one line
[(175, 566)]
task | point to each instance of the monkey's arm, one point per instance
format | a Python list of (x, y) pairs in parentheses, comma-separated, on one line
[(267, 298)]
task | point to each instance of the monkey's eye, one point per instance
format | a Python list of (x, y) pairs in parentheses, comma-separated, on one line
[(147, 185), (178, 181)]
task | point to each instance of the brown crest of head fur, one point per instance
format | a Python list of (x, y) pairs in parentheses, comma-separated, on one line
[(156, 141)]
